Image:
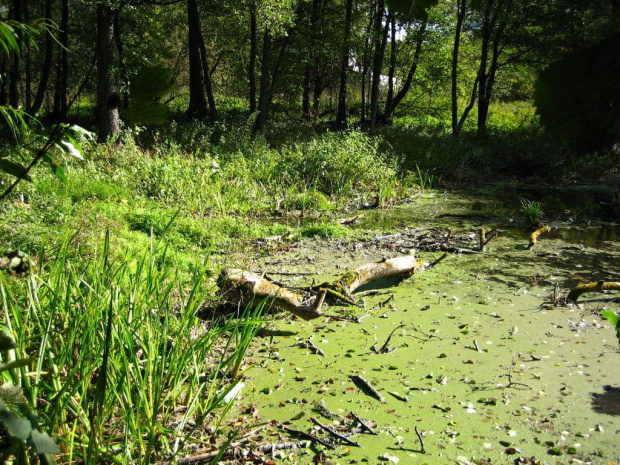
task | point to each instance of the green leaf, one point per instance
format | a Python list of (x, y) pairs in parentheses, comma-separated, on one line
[(16, 426), (152, 83), (148, 113), (42, 442), (415, 9), (6, 341), (12, 394), (14, 169), (614, 319), (70, 146)]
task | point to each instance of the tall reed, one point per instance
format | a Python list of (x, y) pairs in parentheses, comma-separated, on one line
[(123, 371)]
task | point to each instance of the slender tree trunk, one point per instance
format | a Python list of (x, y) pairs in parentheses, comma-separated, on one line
[(14, 83), (341, 115), (366, 63), (107, 98), (28, 59), (460, 16), (197, 102), (207, 77), (497, 25), (390, 94), (305, 94), (487, 28), (263, 97), (402, 93), (47, 64), (121, 59), (377, 66), (62, 64), (4, 96), (252, 67)]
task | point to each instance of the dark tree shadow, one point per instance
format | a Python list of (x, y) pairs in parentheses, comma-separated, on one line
[(607, 402)]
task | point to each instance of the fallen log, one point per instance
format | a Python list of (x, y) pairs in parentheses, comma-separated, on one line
[(598, 286), (248, 288)]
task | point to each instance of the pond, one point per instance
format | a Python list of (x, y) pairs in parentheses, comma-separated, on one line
[(479, 356)]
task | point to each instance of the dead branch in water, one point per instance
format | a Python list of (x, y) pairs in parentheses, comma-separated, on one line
[(599, 286), (367, 387), (535, 234)]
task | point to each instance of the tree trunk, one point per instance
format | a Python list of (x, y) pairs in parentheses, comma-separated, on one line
[(487, 28), (121, 59), (390, 94), (47, 64), (197, 102), (377, 66), (263, 97), (28, 60), (107, 98), (341, 115), (14, 82), (252, 66), (207, 77), (402, 93), (62, 64), (305, 97), (460, 16)]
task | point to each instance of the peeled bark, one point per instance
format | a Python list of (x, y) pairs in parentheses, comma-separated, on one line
[(247, 288)]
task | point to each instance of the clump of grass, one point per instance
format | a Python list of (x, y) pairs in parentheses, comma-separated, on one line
[(116, 349), (532, 212)]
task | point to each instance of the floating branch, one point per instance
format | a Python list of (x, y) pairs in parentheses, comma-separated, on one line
[(309, 436), (535, 234), (367, 387), (310, 346), (333, 433), (598, 286)]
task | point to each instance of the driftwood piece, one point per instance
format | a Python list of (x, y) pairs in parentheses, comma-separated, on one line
[(248, 288), (404, 267), (535, 234), (598, 286)]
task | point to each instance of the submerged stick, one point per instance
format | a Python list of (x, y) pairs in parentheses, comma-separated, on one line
[(363, 425), (314, 349), (420, 439), (598, 286), (333, 433), (535, 234), (384, 347), (367, 387)]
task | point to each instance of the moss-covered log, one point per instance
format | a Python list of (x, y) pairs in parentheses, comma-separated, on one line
[(535, 234), (247, 288), (598, 286)]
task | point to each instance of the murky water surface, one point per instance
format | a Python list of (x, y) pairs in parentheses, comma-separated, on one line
[(484, 365)]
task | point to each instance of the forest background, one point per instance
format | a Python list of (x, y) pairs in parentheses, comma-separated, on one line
[(212, 121)]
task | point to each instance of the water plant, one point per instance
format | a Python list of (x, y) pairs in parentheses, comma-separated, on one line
[(531, 210)]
